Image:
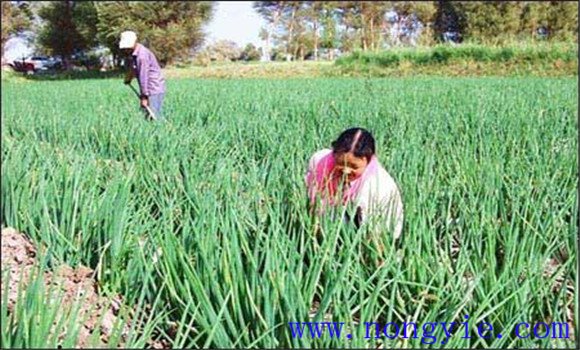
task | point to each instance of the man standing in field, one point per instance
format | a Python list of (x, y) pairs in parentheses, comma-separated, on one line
[(148, 72)]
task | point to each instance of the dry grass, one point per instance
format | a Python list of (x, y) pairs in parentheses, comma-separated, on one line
[(234, 70)]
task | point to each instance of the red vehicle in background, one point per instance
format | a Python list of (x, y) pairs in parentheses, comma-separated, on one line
[(22, 66)]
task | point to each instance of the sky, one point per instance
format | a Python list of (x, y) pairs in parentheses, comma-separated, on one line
[(236, 21), (16, 48)]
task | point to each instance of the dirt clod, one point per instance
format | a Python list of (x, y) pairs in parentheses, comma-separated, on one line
[(99, 314)]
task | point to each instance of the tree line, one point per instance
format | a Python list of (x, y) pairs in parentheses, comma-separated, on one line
[(173, 29), (293, 30), (302, 28)]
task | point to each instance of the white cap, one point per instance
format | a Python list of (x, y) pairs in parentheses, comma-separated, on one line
[(128, 40)]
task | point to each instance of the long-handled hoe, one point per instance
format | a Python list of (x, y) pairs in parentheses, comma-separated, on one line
[(149, 110)]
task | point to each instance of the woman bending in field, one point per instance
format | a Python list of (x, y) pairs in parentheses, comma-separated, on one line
[(350, 173)]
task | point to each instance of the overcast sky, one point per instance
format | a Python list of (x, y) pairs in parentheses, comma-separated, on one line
[(236, 21)]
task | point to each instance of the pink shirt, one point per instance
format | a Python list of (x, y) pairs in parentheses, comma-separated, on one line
[(378, 197)]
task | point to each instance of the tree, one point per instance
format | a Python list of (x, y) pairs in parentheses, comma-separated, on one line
[(372, 17), (416, 19), (68, 27), (292, 25), (223, 50), (448, 18), (534, 15), (497, 21), (348, 13), (277, 54), (558, 18), (250, 53), (171, 29), (271, 11), (483, 20), (265, 36), (313, 12), (360, 23), (562, 21), (301, 28), (305, 29), (375, 13), (283, 18), (329, 36), (16, 18)]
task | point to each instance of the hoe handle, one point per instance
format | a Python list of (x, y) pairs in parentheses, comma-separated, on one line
[(151, 114)]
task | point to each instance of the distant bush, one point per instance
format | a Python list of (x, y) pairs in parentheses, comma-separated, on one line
[(443, 54), (250, 53)]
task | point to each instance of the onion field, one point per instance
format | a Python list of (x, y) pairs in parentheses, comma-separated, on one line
[(200, 225)]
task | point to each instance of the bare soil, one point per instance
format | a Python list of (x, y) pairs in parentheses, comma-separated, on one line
[(97, 313)]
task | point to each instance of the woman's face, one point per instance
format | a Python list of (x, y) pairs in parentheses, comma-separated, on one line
[(346, 164)]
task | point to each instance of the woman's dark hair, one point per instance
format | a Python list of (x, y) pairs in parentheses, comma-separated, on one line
[(356, 140)]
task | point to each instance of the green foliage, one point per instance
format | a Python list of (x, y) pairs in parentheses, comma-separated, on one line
[(250, 53), (207, 214), (489, 20), (222, 51), (498, 21), (329, 38), (68, 27), (171, 29), (16, 18), (361, 25), (40, 319), (562, 22), (443, 54), (424, 10)]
